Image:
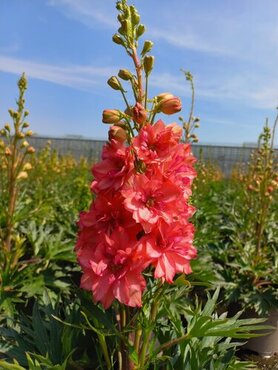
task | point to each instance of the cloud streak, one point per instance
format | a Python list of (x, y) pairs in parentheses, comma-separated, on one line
[(257, 92), (74, 76)]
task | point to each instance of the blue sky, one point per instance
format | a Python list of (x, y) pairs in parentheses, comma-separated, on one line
[(65, 48)]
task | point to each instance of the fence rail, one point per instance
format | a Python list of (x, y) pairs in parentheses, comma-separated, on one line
[(225, 156)]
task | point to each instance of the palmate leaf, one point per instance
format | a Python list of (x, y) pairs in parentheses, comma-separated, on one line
[(8, 366), (207, 339)]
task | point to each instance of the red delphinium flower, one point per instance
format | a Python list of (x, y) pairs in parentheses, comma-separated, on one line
[(151, 199), (114, 169), (154, 143), (179, 169), (113, 270), (170, 249), (139, 216), (108, 212)]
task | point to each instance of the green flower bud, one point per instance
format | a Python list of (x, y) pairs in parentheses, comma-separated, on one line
[(135, 17), (125, 74), (22, 82), (148, 64), (125, 27), (147, 47), (140, 30), (114, 83), (7, 127), (117, 39)]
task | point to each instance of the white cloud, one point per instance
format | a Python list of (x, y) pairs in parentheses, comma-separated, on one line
[(187, 40), (86, 11), (75, 76), (256, 91)]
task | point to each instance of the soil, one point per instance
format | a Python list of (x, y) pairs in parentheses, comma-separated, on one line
[(270, 363)]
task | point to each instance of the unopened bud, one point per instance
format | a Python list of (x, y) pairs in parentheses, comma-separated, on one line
[(29, 133), (125, 27), (117, 39), (22, 175), (24, 144), (25, 125), (114, 83), (111, 116), (147, 47), (2, 144), (125, 74), (8, 152), (270, 189), (31, 150), (20, 135), (140, 30), (135, 17), (170, 105), (26, 113), (148, 64), (163, 96), (7, 127), (139, 114), (117, 133), (27, 166), (3, 132), (22, 82)]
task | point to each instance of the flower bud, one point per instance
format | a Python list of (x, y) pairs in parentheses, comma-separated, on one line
[(20, 135), (117, 39), (117, 133), (8, 152), (139, 114), (125, 27), (22, 175), (125, 74), (114, 83), (24, 144), (27, 166), (147, 47), (270, 189), (7, 127), (135, 17), (148, 64), (3, 132), (26, 113), (29, 133), (22, 82), (2, 144), (140, 30), (31, 150), (111, 116), (25, 125), (163, 96), (170, 105)]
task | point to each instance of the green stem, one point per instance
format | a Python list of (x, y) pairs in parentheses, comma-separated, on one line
[(171, 343), (147, 332), (104, 348), (146, 90)]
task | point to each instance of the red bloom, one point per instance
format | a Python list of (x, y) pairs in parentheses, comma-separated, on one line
[(113, 170), (179, 168), (114, 271), (151, 200), (155, 143), (170, 250)]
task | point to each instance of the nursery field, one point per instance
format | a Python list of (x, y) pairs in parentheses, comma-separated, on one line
[(47, 322), (142, 258)]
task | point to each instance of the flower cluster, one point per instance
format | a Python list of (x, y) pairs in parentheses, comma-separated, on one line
[(139, 218)]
